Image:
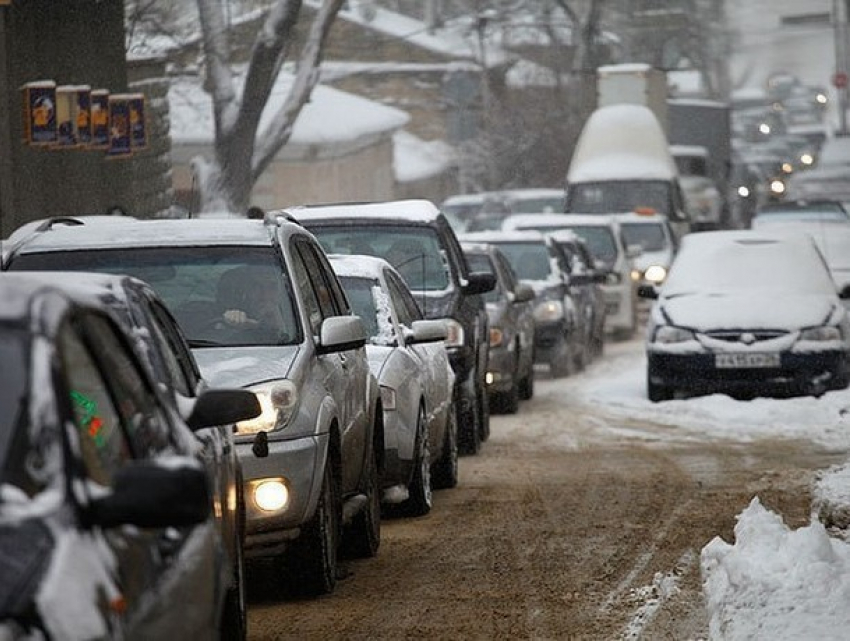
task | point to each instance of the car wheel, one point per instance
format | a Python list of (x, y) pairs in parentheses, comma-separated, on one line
[(657, 393), (445, 473), (469, 429), (312, 559), (363, 535), (560, 363), (484, 413), (420, 496)]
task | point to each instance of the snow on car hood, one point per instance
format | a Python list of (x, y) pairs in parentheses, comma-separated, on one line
[(747, 310), (245, 366)]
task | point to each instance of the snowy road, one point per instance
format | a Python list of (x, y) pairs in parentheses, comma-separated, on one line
[(583, 517)]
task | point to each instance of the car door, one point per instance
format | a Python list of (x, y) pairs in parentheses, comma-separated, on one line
[(119, 419), (344, 374)]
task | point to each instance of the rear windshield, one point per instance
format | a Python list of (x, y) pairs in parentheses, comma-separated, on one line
[(414, 251), (650, 237), (619, 196), (529, 260), (201, 285)]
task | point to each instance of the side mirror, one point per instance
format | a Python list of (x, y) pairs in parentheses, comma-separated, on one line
[(523, 293), (426, 331), (340, 334), (479, 283), (647, 291), (151, 494), (222, 407)]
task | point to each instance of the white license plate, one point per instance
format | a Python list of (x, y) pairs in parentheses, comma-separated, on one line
[(746, 360)]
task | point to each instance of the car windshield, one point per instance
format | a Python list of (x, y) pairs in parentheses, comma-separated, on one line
[(530, 260), (600, 241), (414, 251), (482, 263), (13, 390), (221, 296), (550, 204), (370, 303), (619, 196), (650, 236)]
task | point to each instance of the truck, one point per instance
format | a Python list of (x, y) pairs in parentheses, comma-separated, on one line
[(635, 84)]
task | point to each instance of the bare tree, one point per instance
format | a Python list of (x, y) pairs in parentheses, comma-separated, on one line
[(242, 151)]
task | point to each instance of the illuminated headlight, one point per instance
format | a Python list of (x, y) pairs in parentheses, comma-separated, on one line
[(821, 334), (821, 99), (549, 310), (787, 167), (777, 186), (270, 495), (655, 274), (807, 159), (764, 128), (388, 398), (667, 334), (636, 274), (743, 191), (489, 378), (613, 278), (277, 402), (454, 333)]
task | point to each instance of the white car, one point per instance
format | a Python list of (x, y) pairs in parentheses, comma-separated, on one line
[(658, 243), (408, 356), (747, 313), (604, 238)]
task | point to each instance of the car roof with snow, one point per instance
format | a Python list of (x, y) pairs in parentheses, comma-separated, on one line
[(358, 265), (502, 236), (409, 211), (555, 221)]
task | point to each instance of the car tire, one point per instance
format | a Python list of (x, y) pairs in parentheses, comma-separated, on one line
[(420, 496), (657, 393), (560, 364), (363, 535), (469, 427), (526, 385), (312, 560), (484, 412), (234, 616), (444, 473)]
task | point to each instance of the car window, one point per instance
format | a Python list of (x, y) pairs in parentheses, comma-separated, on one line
[(482, 263), (314, 278), (649, 236), (623, 195), (415, 251), (104, 447), (407, 309), (178, 360), (138, 408), (600, 241), (529, 260), (369, 303)]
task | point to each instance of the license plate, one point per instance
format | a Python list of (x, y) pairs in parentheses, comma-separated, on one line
[(746, 360)]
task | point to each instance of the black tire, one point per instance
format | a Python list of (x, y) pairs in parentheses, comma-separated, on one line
[(526, 385), (444, 473), (420, 496), (657, 393), (363, 535), (469, 432), (507, 402), (483, 412), (312, 560)]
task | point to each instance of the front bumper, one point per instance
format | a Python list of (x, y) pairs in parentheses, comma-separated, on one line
[(548, 339), (620, 306), (798, 373), (297, 461)]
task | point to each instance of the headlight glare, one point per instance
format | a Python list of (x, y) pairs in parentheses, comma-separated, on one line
[(277, 402), (655, 274), (270, 495), (549, 310)]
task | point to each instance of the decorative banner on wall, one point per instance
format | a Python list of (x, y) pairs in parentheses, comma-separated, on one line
[(66, 116), (99, 119), (138, 124), (40, 113), (119, 125), (83, 99)]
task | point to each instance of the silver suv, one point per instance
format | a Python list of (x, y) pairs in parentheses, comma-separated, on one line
[(262, 309)]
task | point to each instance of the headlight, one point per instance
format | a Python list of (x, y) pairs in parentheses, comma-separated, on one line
[(454, 333), (496, 336), (764, 128), (777, 186), (787, 167), (821, 334), (388, 398), (549, 310), (636, 275), (667, 334), (821, 98), (743, 191), (655, 274), (269, 495), (277, 402), (807, 159)]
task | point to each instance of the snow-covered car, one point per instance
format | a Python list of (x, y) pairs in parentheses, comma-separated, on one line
[(107, 513), (407, 354), (559, 340), (658, 244), (747, 313), (263, 310), (605, 240), (416, 239), (510, 311), (819, 215)]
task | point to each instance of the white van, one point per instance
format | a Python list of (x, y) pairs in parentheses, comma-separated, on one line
[(622, 163)]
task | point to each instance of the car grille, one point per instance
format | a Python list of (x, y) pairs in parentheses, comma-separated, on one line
[(747, 337)]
